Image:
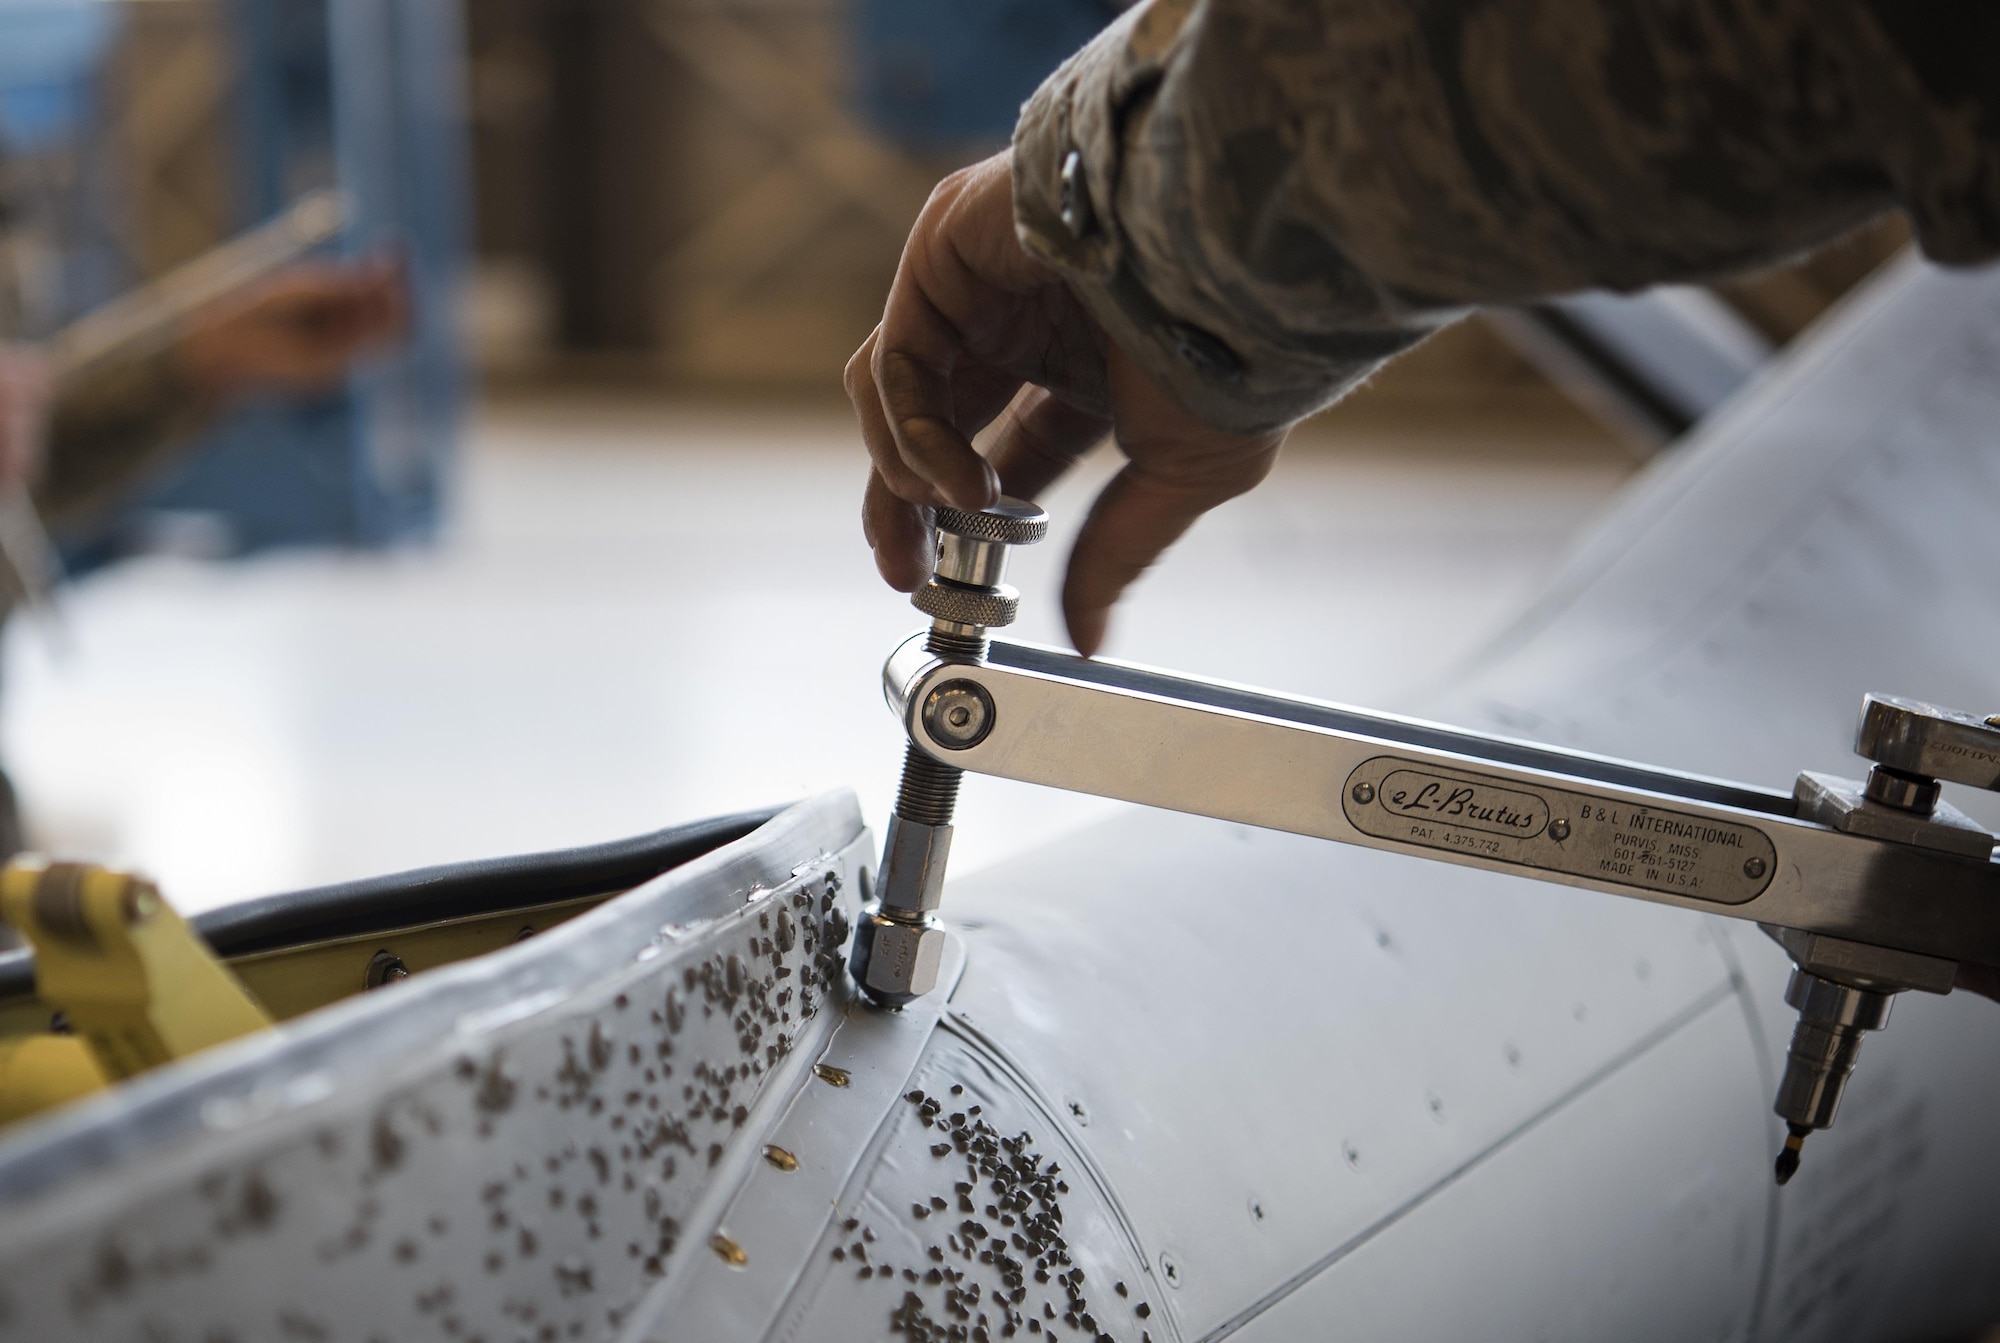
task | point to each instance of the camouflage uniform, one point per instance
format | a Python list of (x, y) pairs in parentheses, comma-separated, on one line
[(1262, 200)]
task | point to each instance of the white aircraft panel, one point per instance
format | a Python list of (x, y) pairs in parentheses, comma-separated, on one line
[(1621, 1217), (1278, 1044)]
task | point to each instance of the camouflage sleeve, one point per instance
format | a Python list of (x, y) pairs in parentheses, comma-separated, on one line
[(1262, 200), (111, 426)]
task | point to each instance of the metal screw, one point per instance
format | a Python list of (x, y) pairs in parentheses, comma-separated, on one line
[(384, 967), (958, 714), (1558, 830), (1079, 1114), (1169, 1269), (1351, 1154), (1364, 793), (1754, 868)]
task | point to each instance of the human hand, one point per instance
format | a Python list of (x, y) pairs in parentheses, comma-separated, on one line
[(299, 331), (977, 330), (24, 415)]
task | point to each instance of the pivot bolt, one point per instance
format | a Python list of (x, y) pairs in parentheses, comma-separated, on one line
[(958, 714)]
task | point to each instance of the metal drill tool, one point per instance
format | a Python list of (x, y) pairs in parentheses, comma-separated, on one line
[(898, 944), (1873, 887)]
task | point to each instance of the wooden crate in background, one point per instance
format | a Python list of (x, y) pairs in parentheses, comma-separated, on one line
[(169, 102), (682, 190), (791, 217), (687, 179)]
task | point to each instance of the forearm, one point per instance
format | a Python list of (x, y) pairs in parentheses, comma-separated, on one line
[(1280, 194), (112, 426)]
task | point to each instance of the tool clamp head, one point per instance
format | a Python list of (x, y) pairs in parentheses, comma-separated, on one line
[(1843, 989)]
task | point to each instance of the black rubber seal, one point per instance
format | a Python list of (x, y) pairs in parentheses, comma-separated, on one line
[(430, 894)]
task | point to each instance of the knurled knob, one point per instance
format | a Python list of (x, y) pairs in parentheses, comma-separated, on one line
[(992, 607), (1011, 522)]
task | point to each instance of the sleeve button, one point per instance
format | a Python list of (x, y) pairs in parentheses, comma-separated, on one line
[(1074, 202), (1204, 353)]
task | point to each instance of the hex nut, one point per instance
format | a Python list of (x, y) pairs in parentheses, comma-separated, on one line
[(896, 962)]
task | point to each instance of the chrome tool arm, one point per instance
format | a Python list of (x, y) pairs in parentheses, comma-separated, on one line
[(1385, 782), (1873, 886)]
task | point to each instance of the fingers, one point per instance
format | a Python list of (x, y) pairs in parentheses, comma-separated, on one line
[(1179, 468), (890, 468), (333, 312), (1132, 524), (956, 312), (892, 507), (914, 358), (899, 532), (298, 331), (1039, 437)]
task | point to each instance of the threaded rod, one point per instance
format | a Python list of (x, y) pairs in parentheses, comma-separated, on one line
[(970, 647), (930, 790)]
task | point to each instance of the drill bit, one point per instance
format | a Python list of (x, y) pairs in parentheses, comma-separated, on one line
[(1788, 1155), (1832, 1019)]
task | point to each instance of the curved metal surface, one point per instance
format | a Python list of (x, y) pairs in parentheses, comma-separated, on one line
[(518, 1141)]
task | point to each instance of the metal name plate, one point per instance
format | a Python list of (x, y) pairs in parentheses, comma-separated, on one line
[(1553, 830)]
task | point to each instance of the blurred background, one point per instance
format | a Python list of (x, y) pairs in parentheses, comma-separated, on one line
[(580, 557)]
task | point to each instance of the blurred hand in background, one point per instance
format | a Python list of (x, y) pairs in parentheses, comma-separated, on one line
[(976, 330), (24, 415), (298, 332)]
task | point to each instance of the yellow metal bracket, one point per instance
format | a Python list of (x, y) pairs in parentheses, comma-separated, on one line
[(135, 983)]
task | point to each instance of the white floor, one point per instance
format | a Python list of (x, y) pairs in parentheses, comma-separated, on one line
[(643, 614)]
